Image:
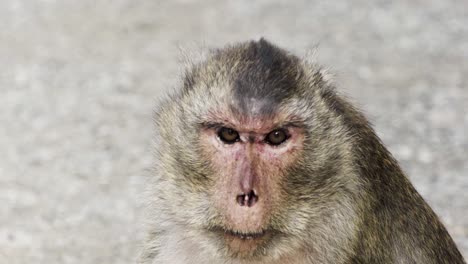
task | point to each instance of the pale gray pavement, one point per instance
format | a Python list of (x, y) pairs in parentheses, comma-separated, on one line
[(79, 80)]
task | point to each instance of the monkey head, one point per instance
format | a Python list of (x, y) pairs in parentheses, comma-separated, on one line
[(252, 154)]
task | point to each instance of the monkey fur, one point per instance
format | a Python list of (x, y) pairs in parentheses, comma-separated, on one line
[(261, 161)]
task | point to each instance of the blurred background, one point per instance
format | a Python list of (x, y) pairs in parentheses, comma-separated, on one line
[(79, 81)]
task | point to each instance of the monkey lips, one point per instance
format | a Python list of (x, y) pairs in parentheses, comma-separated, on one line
[(244, 244)]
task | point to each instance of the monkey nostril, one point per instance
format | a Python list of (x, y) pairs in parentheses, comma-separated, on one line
[(248, 199)]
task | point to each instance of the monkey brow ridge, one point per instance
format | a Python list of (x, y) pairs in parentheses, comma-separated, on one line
[(214, 124)]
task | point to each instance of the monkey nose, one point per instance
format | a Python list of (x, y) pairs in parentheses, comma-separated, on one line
[(248, 199)]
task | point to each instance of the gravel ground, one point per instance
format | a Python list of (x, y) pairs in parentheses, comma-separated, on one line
[(79, 80)]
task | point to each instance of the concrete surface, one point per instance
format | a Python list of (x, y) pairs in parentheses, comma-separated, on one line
[(79, 80)]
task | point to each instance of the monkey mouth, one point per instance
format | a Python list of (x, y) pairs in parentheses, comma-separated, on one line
[(241, 244), (245, 236), (246, 244), (240, 235)]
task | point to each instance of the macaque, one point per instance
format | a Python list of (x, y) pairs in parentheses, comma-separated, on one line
[(261, 161)]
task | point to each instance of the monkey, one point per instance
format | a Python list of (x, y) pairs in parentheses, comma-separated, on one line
[(261, 160)]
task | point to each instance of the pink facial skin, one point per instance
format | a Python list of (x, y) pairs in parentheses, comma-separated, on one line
[(249, 165)]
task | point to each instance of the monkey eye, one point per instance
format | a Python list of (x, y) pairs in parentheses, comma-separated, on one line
[(276, 137), (228, 135)]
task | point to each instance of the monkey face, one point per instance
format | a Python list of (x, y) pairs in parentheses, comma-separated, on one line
[(249, 157)]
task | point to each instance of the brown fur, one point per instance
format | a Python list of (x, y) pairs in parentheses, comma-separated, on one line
[(338, 197)]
